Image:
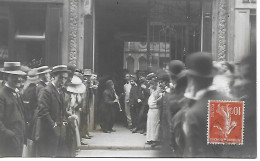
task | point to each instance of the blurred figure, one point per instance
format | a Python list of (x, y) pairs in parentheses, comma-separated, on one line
[(12, 118), (245, 84), (194, 122)]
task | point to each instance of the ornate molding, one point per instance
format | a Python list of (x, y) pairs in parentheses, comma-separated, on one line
[(222, 30), (73, 31)]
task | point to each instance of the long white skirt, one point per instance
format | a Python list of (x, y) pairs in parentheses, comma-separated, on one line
[(153, 125)]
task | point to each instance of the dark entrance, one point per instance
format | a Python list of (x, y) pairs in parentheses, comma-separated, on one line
[(176, 22)]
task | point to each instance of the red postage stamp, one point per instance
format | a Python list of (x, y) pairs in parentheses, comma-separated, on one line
[(225, 122)]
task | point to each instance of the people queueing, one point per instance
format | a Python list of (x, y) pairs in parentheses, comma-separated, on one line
[(108, 105), (52, 113), (127, 88), (12, 116)]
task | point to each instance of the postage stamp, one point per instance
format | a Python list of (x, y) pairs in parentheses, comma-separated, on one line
[(225, 122)]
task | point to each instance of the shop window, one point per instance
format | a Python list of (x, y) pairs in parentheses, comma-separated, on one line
[(142, 64)]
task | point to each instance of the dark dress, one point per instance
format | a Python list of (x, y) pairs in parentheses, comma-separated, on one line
[(52, 142), (12, 123), (108, 110)]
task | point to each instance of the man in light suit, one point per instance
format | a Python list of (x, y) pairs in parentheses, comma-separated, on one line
[(12, 118)]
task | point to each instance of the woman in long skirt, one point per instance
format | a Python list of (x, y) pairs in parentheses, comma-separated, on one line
[(153, 116)]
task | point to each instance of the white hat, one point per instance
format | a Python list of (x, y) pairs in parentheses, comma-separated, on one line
[(76, 85)]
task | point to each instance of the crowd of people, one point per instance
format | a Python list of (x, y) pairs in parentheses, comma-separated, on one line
[(43, 111), (47, 109), (171, 106)]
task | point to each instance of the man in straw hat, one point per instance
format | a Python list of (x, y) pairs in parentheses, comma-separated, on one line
[(12, 119), (52, 112), (44, 76), (199, 90)]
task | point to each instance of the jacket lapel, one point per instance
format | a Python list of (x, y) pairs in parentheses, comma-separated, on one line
[(55, 92)]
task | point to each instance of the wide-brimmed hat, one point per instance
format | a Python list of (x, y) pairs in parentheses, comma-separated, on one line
[(60, 68), (43, 69), (12, 68), (200, 64), (87, 72), (33, 76), (76, 85)]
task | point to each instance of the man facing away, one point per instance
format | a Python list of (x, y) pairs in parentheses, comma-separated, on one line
[(12, 120)]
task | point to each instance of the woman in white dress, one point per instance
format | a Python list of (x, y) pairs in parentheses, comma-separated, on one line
[(153, 116)]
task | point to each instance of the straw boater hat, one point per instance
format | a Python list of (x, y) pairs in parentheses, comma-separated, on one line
[(43, 69), (76, 85), (33, 76), (60, 68), (12, 68)]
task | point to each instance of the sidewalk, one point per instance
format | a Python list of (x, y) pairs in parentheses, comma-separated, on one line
[(122, 139)]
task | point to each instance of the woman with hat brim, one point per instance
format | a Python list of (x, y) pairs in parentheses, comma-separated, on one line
[(74, 102), (12, 120)]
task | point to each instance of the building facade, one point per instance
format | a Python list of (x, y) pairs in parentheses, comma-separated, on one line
[(109, 35)]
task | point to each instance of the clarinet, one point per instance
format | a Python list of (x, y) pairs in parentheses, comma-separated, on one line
[(119, 105)]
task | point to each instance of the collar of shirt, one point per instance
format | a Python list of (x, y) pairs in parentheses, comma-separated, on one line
[(55, 86), (199, 94), (13, 89)]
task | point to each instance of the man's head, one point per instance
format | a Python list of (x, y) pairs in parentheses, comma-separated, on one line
[(200, 71), (13, 74), (127, 77), (44, 73), (60, 75)]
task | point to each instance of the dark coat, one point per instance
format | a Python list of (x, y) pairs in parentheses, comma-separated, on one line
[(39, 88), (51, 109), (195, 128), (12, 123), (135, 94), (108, 111)]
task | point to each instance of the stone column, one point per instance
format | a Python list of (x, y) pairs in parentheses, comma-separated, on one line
[(220, 29)]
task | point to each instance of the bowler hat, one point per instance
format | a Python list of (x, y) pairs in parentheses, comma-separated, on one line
[(60, 68), (12, 68), (76, 85), (176, 67), (43, 69), (163, 76), (200, 64)]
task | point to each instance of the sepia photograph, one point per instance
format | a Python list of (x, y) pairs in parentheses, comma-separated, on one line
[(128, 79)]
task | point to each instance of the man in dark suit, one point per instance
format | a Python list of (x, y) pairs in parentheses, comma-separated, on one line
[(12, 120), (194, 121), (52, 142)]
